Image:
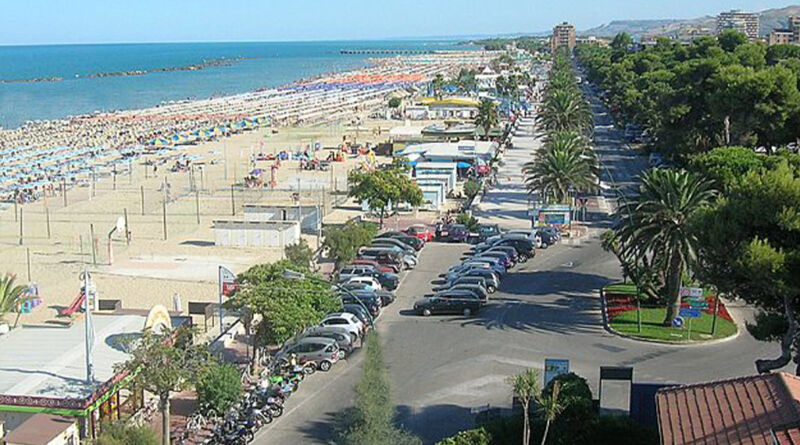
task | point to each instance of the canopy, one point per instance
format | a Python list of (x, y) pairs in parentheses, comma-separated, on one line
[(463, 164)]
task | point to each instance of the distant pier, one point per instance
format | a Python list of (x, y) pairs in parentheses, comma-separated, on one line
[(385, 51)]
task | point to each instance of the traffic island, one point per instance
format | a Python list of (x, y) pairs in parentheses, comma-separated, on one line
[(702, 319)]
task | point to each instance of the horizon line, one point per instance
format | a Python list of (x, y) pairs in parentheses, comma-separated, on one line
[(373, 39)]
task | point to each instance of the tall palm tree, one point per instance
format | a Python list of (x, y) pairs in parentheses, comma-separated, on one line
[(657, 223), (553, 173), (565, 109), (487, 117), (525, 387), (550, 407), (11, 296), (567, 140)]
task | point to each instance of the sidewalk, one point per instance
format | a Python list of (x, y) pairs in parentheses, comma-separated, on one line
[(506, 204)]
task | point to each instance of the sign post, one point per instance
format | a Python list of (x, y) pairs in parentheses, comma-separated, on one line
[(227, 285)]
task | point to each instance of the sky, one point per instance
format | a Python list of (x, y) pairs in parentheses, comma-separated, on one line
[(34, 22)]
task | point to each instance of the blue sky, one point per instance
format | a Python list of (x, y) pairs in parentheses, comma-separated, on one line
[(109, 21)]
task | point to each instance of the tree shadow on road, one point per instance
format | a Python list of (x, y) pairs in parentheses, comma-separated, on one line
[(436, 422)]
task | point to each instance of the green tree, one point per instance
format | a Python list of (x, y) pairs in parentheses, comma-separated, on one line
[(123, 433), (218, 388), (487, 117), (164, 362), (342, 243), (525, 386), (477, 436), (554, 173), (730, 39), (749, 248), (300, 254), (372, 419), (469, 221), (471, 188), (657, 224), (284, 306), (12, 296), (385, 187), (437, 84), (395, 102)]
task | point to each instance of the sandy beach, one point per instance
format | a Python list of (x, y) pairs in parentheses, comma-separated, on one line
[(154, 267)]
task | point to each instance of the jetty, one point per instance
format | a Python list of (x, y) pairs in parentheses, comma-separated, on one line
[(386, 51)]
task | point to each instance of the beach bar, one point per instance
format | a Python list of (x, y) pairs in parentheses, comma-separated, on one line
[(43, 372), (309, 216)]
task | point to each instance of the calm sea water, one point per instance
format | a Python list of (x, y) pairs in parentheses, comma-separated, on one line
[(265, 65)]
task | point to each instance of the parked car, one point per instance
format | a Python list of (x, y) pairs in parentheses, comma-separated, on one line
[(377, 265), (435, 305), (371, 302), (412, 241), (347, 320), (391, 242), (496, 263), (356, 270), (387, 259), (476, 291), (323, 352), (508, 262), (386, 297), (475, 281), (525, 249), (508, 250), (371, 282), (492, 279), (531, 234), (407, 261), (420, 231), (340, 335), (483, 232), (452, 233), (361, 313)]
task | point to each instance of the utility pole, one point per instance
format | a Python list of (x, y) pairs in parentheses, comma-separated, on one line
[(141, 190), (164, 210), (20, 225), (89, 336), (233, 203), (47, 218), (64, 189), (91, 240), (197, 204)]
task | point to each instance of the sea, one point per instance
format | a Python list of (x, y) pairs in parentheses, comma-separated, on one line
[(251, 66)]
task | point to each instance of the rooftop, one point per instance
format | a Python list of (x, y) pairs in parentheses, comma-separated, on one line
[(757, 410), (50, 361), (40, 429)]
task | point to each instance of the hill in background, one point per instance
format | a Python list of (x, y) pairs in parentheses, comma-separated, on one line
[(769, 20)]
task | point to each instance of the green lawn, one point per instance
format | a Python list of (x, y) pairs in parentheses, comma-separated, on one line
[(621, 289), (626, 325)]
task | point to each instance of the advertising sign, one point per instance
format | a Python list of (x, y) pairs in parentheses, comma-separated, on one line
[(554, 368)]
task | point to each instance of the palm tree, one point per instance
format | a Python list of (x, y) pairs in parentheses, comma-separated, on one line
[(657, 223), (550, 406), (11, 296), (568, 140), (487, 117), (526, 387), (437, 84), (565, 109), (553, 173)]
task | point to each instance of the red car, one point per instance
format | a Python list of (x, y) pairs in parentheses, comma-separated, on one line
[(380, 267), (420, 231)]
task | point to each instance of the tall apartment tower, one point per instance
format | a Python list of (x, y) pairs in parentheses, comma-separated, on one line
[(794, 26), (563, 37), (743, 22)]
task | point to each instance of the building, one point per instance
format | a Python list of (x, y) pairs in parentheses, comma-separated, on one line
[(743, 22), (794, 26), (563, 37), (757, 410), (781, 37)]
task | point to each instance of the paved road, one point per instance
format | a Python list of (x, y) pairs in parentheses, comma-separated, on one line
[(444, 367)]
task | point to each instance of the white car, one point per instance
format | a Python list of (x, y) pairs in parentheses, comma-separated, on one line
[(369, 282), (345, 320)]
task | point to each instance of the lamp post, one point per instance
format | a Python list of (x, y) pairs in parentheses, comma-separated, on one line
[(298, 276)]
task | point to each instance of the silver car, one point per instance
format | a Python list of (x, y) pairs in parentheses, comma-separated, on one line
[(341, 335), (323, 352)]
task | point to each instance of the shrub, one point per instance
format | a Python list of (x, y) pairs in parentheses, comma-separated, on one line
[(394, 102), (471, 188), (621, 430), (342, 243), (218, 388), (468, 220), (300, 254), (477, 436), (122, 433)]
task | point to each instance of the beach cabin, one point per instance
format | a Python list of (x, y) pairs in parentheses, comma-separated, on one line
[(447, 170), (310, 216), (434, 192), (463, 154), (255, 234)]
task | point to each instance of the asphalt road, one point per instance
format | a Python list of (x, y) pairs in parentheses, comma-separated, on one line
[(443, 369)]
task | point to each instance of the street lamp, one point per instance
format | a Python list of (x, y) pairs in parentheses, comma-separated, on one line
[(298, 276)]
